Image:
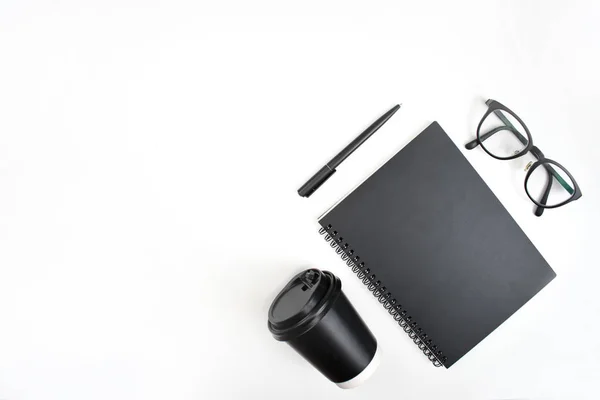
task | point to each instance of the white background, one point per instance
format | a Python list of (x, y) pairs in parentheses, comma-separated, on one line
[(150, 153)]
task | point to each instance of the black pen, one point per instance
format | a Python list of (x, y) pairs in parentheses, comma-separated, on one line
[(324, 173)]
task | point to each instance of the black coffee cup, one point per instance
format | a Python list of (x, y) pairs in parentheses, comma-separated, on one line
[(313, 315)]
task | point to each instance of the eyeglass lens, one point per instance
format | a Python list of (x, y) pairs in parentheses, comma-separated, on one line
[(502, 135), (561, 185)]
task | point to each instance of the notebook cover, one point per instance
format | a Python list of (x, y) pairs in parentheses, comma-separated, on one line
[(441, 243)]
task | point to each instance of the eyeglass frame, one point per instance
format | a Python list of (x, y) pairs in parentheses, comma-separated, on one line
[(496, 108)]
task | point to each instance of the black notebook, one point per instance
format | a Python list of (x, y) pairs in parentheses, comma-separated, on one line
[(436, 247)]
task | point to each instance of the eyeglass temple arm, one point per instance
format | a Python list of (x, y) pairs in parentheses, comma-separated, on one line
[(514, 130), (539, 155), (474, 143), (560, 179), (540, 210)]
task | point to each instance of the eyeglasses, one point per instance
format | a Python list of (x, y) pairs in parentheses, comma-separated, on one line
[(504, 136)]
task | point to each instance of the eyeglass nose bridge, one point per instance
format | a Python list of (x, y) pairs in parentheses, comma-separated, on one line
[(537, 153)]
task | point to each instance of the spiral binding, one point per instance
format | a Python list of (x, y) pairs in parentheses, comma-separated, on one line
[(419, 337)]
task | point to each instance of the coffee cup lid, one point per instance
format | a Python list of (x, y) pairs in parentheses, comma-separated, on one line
[(302, 303)]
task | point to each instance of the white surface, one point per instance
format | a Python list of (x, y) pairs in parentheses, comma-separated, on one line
[(364, 375), (150, 153)]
